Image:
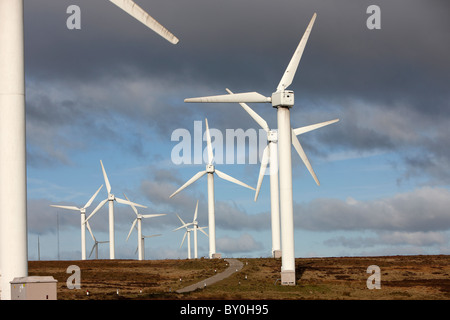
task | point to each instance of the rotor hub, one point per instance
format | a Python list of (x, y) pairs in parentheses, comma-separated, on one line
[(210, 168), (283, 98)]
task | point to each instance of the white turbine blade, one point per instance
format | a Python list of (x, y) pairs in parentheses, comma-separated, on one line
[(129, 202), (182, 241), (195, 213), (250, 97), (134, 208), (302, 155), (65, 207), (264, 161), (289, 74), (313, 127), (151, 236), (131, 229), (208, 143), (108, 186), (93, 247), (253, 114), (90, 230), (184, 223), (139, 14), (197, 176), (201, 229), (92, 198), (101, 204), (231, 179), (153, 215)]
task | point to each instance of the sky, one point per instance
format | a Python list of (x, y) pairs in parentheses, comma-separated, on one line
[(114, 91)]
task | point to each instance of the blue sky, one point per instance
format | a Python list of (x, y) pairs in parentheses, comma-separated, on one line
[(114, 91)]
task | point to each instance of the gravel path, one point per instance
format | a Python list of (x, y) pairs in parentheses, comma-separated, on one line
[(234, 266)]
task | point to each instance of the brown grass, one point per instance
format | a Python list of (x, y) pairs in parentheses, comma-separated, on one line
[(402, 277)]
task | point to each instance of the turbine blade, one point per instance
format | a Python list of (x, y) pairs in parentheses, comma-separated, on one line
[(208, 143), (92, 198), (65, 207), (289, 74), (195, 213), (134, 208), (189, 182), (313, 127), (101, 204), (131, 229), (235, 97), (201, 229), (90, 230), (253, 114), (139, 14), (184, 237), (108, 186), (262, 170), (129, 202), (152, 215), (93, 247), (231, 179), (302, 155), (184, 223)]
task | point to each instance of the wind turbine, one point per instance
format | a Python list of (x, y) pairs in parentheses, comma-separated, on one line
[(83, 219), (96, 243), (270, 156), (139, 227), (194, 228), (210, 170), (143, 244), (111, 198), (13, 184), (283, 100)]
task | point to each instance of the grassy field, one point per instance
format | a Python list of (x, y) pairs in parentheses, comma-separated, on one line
[(402, 278)]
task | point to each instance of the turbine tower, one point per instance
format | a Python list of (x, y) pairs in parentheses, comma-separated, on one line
[(111, 198), (139, 227), (282, 99), (143, 244), (210, 170), (194, 228), (13, 184), (270, 156), (83, 219)]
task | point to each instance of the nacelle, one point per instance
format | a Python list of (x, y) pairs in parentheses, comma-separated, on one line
[(283, 99)]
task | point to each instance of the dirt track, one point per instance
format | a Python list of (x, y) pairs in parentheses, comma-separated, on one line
[(402, 277)]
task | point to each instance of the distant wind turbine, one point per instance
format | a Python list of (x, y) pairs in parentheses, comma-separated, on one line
[(111, 198), (96, 243), (83, 219), (194, 228), (143, 244), (139, 227), (210, 170), (283, 100)]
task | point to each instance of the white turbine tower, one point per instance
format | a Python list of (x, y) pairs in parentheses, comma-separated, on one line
[(13, 184), (194, 228), (270, 156), (210, 170), (96, 243), (111, 198), (139, 227), (283, 100), (83, 219)]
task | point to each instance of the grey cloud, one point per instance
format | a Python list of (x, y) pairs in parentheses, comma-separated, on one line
[(245, 243)]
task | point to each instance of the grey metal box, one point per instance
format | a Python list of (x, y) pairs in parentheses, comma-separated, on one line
[(33, 288)]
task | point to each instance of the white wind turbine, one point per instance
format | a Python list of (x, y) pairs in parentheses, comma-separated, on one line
[(283, 100), (138, 220), (143, 244), (210, 170), (194, 228), (111, 198), (96, 243), (83, 219), (13, 184), (270, 156)]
